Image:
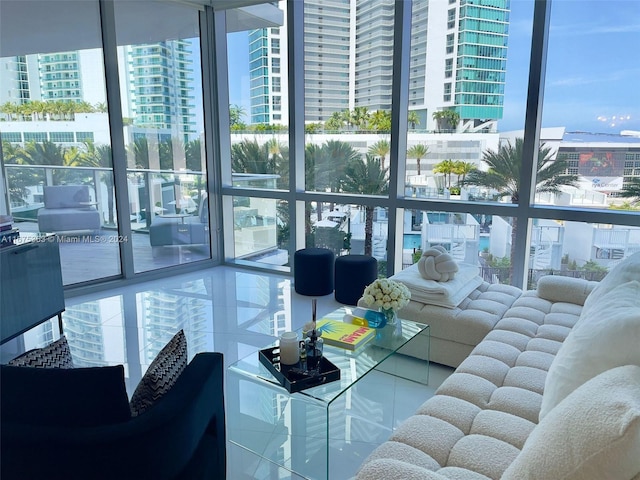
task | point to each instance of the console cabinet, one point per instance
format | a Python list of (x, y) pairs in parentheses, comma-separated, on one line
[(31, 289)]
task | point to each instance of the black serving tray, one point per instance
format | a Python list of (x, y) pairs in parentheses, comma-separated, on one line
[(293, 377)]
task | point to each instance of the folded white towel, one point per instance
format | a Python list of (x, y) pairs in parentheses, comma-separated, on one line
[(436, 264), (445, 294)]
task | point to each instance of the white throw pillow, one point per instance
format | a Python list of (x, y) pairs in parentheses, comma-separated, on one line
[(625, 271), (593, 434), (607, 336)]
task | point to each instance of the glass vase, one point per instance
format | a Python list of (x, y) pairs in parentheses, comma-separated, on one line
[(390, 315)]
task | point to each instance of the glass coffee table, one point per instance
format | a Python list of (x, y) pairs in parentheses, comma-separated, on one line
[(299, 431)]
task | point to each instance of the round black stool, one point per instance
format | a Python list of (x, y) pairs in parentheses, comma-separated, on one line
[(313, 271), (352, 274)]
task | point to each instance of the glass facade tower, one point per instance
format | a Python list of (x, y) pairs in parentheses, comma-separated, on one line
[(458, 60), (60, 76), (481, 59), (161, 85)]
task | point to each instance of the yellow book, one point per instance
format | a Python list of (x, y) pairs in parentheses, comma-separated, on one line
[(344, 335)]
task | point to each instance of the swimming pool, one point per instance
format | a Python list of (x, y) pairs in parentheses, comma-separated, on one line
[(414, 240), (411, 241)]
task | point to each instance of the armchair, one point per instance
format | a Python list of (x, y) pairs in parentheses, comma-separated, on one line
[(181, 437), (68, 208), (189, 230)]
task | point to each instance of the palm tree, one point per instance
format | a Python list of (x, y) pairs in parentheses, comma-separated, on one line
[(83, 107), (101, 107), (418, 152), (11, 110), (446, 118), (413, 119), (193, 160), (325, 166), (380, 121), (462, 169), (100, 156), (347, 117), (367, 177), (236, 112), (446, 167), (336, 122), (249, 156), (505, 173), (278, 154), (43, 153), (336, 155), (380, 149), (360, 117), (139, 150), (19, 179), (165, 154), (632, 190)]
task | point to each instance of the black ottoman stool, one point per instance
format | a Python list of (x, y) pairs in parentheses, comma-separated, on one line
[(313, 271), (353, 274)]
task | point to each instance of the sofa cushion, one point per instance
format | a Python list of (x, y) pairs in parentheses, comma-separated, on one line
[(625, 271), (161, 375), (66, 196), (73, 397), (564, 289), (54, 355), (607, 336), (565, 446)]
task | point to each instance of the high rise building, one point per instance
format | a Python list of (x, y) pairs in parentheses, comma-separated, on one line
[(268, 73), (60, 76), (15, 81), (159, 86), (157, 82), (458, 60)]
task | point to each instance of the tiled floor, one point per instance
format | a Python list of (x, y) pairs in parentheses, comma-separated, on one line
[(233, 311)]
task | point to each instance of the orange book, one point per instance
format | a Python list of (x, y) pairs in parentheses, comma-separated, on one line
[(344, 335)]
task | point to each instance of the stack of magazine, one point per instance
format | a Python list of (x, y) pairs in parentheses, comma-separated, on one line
[(8, 233), (345, 335)]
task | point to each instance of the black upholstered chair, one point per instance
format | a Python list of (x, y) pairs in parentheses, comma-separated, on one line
[(313, 271), (52, 426), (352, 274)]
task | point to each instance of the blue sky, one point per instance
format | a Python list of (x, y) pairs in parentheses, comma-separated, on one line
[(593, 67)]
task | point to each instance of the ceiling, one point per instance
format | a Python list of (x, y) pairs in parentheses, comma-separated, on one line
[(44, 26)]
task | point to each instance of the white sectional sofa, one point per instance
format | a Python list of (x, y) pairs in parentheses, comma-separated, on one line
[(551, 392), (456, 331)]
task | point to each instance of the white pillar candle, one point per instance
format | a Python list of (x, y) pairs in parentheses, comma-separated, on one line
[(289, 348)]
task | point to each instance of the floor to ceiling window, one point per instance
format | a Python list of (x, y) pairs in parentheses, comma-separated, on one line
[(163, 123), (63, 165), (56, 144), (258, 160), (380, 127), (348, 75)]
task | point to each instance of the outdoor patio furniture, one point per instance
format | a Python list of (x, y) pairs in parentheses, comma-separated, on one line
[(180, 229), (68, 208)]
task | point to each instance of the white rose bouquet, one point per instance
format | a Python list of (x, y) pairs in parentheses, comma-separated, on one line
[(387, 295)]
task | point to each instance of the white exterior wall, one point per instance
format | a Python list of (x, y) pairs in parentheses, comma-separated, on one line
[(98, 123), (436, 54), (126, 98), (578, 241), (92, 76), (500, 237), (9, 86)]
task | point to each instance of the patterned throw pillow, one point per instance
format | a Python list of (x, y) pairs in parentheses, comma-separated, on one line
[(54, 355), (161, 375)]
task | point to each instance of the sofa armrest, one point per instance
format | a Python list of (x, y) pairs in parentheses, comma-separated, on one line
[(556, 288), (156, 445)]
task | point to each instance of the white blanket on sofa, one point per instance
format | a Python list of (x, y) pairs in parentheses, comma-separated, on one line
[(444, 294)]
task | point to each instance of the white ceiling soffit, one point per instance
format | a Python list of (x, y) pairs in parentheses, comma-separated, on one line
[(265, 15), (45, 26)]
